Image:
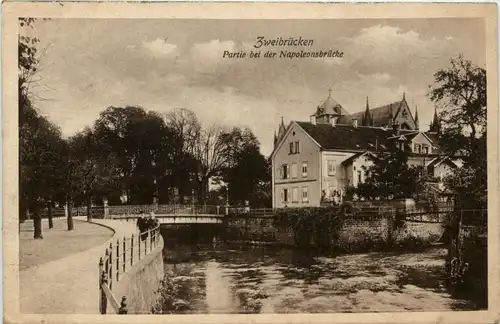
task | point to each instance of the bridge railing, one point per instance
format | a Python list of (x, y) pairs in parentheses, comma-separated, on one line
[(166, 209), (119, 258)]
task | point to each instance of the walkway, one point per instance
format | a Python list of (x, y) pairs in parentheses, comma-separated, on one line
[(68, 285)]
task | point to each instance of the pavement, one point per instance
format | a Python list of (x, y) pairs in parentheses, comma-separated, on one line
[(69, 285)]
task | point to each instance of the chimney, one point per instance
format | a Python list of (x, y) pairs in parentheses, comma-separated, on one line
[(355, 123), (333, 121), (396, 129), (313, 119)]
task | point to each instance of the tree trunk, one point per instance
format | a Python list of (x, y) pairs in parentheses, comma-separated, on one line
[(37, 223), (23, 211), (70, 215), (49, 216), (89, 208)]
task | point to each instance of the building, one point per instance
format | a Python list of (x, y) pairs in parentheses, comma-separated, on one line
[(317, 160)]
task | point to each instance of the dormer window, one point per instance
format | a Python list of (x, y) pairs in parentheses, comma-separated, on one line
[(426, 149), (417, 148)]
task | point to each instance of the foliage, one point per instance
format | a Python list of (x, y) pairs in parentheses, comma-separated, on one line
[(247, 173), (390, 176), (312, 225), (460, 90), (40, 141)]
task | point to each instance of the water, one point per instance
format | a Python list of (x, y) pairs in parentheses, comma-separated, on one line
[(234, 279)]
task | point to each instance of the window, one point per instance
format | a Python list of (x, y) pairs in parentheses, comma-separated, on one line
[(284, 195), (417, 148), (405, 113), (426, 149), (297, 147), (359, 177), (304, 169), (305, 194), (285, 174), (295, 194), (294, 170), (331, 167), (291, 148)]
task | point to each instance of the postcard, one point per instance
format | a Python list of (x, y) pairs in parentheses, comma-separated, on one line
[(250, 163)]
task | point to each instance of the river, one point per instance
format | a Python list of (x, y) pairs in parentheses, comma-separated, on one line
[(234, 279)]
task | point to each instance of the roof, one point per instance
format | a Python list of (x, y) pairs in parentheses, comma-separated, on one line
[(355, 157), (331, 106), (346, 137), (438, 161), (381, 115)]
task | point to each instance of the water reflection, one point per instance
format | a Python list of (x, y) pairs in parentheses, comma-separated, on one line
[(231, 279)]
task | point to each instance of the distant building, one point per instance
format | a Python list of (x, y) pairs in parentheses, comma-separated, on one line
[(317, 160)]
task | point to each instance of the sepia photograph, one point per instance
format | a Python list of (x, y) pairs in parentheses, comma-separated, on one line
[(182, 166)]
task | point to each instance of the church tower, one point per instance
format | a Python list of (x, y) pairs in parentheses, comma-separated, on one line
[(416, 118), (436, 124), (329, 111), (367, 118)]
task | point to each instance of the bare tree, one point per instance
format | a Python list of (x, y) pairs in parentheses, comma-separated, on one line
[(213, 153)]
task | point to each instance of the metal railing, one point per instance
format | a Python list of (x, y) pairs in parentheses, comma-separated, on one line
[(166, 209), (120, 257)]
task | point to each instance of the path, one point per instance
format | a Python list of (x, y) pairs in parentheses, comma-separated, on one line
[(69, 285), (37, 252)]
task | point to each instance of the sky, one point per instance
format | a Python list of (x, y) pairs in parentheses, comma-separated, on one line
[(87, 65)]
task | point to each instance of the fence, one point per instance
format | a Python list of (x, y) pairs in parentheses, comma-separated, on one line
[(166, 209), (117, 259)]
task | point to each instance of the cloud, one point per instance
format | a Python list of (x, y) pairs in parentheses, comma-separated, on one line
[(375, 78), (160, 48), (211, 52)]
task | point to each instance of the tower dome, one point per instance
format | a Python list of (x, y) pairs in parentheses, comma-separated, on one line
[(330, 106), (329, 110)]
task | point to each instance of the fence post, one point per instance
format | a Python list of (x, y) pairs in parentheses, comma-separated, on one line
[(110, 258), (146, 243), (132, 250), (103, 301), (101, 277), (139, 238), (118, 260), (150, 240), (124, 254), (123, 306)]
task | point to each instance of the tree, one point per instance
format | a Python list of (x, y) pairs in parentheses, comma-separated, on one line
[(212, 154), (247, 173), (460, 91), (143, 148), (92, 169), (186, 133), (390, 176), (40, 142)]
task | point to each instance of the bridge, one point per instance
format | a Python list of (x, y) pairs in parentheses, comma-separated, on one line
[(182, 214), (165, 219)]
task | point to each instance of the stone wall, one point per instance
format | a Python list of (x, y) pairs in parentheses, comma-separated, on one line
[(258, 229), (364, 232), (357, 232), (140, 283)]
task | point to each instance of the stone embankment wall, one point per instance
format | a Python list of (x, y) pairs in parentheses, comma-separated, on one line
[(358, 231), (140, 283)]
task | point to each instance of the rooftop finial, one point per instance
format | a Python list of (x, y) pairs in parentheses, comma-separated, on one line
[(404, 95), (329, 92)]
